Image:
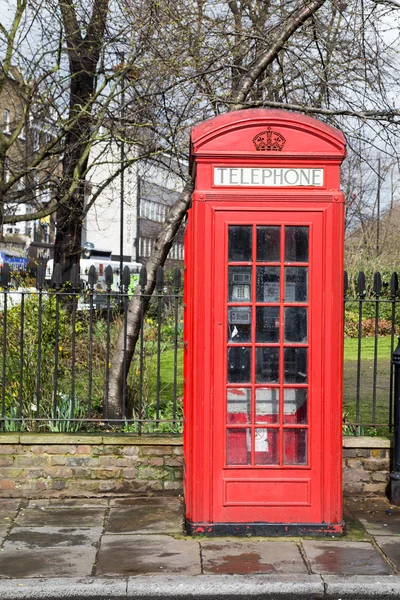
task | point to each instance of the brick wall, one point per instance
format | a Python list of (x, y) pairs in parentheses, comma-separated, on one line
[(52, 465)]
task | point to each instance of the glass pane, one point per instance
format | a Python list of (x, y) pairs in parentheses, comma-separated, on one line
[(239, 243), (267, 365), (239, 284), (295, 446), (295, 365), (296, 324), (296, 244), (268, 244), (267, 405), (296, 280), (238, 446), (239, 324), (267, 324), (268, 284), (266, 446), (239, 405), (239, 365), (295, 405)]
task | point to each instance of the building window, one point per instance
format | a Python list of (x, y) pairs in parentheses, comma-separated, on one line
[(6, 170), (35, 184), (46, 195), (6, 121)]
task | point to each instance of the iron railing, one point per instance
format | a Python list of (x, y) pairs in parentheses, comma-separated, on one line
[(371, 325), (58, 351)]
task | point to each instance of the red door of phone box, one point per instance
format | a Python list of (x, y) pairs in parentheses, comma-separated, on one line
[(264, 326)]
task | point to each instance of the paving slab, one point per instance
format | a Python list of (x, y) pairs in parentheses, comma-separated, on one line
[(61, 517), (146, 517), (380, 524), (52, 537), (47, 562), (246, 558), (344, 558), (376, 515), (147, 555), (8, 510), (9, 504), (68, 503), (390, 546), (367, 503)]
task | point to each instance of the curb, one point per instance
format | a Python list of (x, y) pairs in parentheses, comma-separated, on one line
[(215, 587)]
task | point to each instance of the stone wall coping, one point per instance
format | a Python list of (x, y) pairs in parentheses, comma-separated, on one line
[(149, 440), (90, 439), (364, 441)]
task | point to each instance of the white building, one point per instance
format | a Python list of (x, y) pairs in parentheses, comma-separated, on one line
[(150, 188), (102, 226)]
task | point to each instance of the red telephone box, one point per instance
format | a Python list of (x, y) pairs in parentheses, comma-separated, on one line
[(264, 326)]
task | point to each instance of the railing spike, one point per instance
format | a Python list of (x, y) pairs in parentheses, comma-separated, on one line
[(394, 283), (361, 283), (143, 277), (126, 277), (346, 283), (57, 276), (108, 276), (160, 278), (40, 276), (377, 283), (92, 276), (5, 275), (75, 276)]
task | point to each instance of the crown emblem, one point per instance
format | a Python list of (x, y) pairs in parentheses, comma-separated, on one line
[(269, 140)]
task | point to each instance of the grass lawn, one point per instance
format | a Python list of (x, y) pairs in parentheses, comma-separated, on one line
[(366, 380), (166, 393), (367, 348)]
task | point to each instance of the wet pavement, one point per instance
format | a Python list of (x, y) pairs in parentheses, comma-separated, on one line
[(144, 536)]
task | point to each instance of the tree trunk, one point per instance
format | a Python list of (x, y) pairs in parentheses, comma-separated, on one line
[(83, 54), (67, 248), (159, 255)]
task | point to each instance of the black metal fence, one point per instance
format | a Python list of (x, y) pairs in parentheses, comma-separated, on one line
[(371, 325), (57, 353)]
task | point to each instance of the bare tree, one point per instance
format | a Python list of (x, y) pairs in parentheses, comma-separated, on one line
[(61, 77)]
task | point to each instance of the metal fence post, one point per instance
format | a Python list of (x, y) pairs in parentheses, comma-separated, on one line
[(395, 474)]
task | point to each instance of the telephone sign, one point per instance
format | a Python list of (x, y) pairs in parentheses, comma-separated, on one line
[(263, 326)]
